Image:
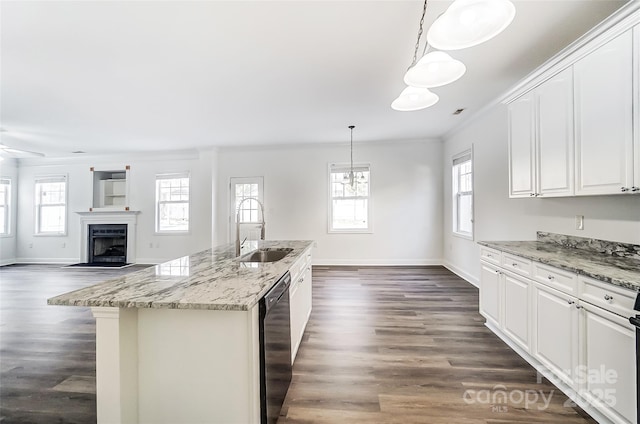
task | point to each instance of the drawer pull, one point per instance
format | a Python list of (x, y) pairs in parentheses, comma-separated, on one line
[(607, 297), (489, 255), (550, 277), (578, 307), (570, 302), (514, 264)]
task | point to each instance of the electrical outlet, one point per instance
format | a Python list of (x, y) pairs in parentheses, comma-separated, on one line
[(579, 222)]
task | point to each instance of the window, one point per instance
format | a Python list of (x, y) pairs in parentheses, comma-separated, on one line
[(349, 204), (463, 195), (5, 205), (51, 205), (172, 203)]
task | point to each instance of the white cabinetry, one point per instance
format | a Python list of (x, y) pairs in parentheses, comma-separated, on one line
[(490, 289), (522, 147), (573, 125), (541, 140), (609, 363), (556, 330), (573, 329), (300, 298), (516, 309), (604, 118)]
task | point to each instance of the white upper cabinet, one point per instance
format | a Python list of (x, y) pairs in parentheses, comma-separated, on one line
[(554, 110), (604, 118), (521, 147), (541, 140), (574, 124)]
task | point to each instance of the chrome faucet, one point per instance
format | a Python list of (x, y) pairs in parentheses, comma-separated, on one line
[(238, 222)]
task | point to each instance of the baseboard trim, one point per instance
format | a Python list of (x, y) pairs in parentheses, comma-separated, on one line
[(45, 261), (4, 262), (462, 274), (359, 262)]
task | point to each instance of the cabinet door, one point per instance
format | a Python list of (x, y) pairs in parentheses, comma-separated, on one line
[(516, 310), (603, 93), (609, 378), (521, 147), (555, 329), (490, 294), (554, 106), (296, 312)]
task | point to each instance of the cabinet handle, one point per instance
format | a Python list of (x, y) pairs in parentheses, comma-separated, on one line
[(634, 189), (531, 194), (514, 264), (624, 189), (607, 297), (489, 255), (570, 302), (578, 307), (550, 277)]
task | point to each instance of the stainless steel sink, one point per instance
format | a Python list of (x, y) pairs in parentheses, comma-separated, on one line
[(266, 255)]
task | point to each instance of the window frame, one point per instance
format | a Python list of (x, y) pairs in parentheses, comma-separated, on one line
[(42, 179), (341, 167), (456, 161), (7, 206), (158, 202)]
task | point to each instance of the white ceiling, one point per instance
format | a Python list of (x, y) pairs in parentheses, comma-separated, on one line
[(140, 76)]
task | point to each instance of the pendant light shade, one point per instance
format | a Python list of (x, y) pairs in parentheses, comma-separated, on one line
[(467, 23), (414, 98), (434, 70)]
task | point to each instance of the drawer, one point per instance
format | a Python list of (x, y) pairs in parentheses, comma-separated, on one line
[(299, 266), (516, 264), (565, 281), (607, 296), (490, 255)]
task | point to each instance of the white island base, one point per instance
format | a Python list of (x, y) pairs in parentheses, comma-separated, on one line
[(177, 366)]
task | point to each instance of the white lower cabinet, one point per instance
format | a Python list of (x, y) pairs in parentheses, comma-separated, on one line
[(516, 309), (556, 332), (609, 366), (490, 289), (575, 329), (300, 299)]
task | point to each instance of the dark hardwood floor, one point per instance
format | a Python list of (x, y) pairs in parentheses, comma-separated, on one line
[(383, 345)]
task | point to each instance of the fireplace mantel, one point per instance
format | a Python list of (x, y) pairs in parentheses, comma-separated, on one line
[(109, 217)]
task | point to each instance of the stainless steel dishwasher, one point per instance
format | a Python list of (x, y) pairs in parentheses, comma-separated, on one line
[(275, 350)]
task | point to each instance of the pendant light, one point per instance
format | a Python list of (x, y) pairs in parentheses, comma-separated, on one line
[(348, 178), (414, 98), (467, 23), (435, 69)]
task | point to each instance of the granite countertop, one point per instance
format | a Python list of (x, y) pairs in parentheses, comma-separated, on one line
[(618, 270), (211, 279)]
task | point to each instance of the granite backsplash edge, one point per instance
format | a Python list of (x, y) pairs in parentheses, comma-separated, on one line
[(606, 247)]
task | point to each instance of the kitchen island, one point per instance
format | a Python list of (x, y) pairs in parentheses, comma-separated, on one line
[(179, 341)]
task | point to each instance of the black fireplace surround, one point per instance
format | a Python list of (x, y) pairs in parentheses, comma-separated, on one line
[(107, 244)]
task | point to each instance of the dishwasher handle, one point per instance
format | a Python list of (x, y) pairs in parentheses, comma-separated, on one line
[(278, 290)]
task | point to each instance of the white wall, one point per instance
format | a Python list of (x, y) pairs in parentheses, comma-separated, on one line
[(151, 248), (9, 169), (499, 218), (406, 190)]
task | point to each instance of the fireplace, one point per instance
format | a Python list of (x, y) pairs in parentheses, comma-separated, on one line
[(107, 244)]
